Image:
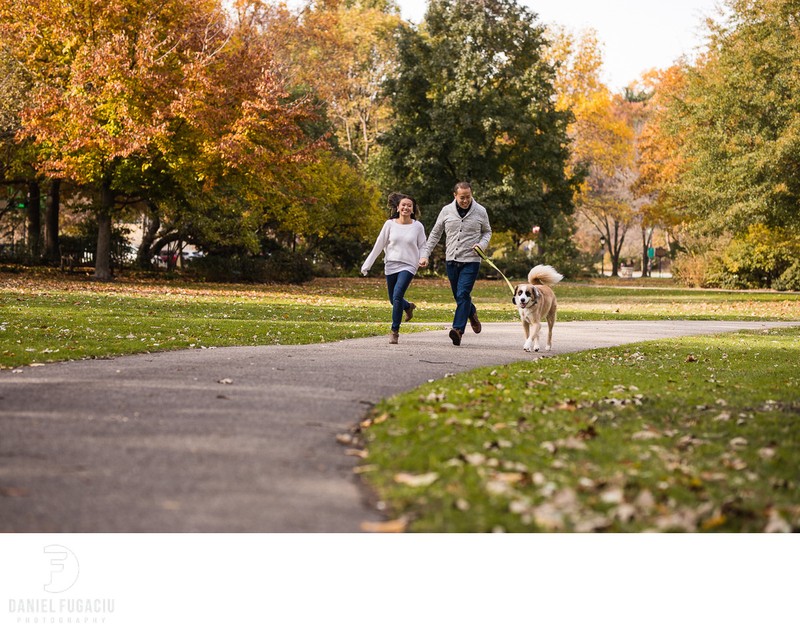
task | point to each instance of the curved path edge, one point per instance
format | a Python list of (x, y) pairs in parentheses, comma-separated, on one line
[(238, 439)]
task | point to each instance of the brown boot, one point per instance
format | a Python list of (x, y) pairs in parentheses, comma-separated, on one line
[(455, 335), (394, 337), (475, 323), (410, 311)]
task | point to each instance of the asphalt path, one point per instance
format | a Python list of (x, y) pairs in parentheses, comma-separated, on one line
[(236, 439)]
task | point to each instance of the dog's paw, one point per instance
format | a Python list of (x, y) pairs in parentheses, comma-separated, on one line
[(547, 348), (536, 349), (527, 348)]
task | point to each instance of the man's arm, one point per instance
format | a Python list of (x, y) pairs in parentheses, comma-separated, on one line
[(433, 239), (486, 232)]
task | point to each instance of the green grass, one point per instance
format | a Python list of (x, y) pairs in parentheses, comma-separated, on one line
[(690, 434), (694, 434), (46, 317)]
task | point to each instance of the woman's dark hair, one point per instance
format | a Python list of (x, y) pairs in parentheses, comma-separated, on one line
[(394, 202)]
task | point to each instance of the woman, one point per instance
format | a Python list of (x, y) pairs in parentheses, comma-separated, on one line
[(400, 239)]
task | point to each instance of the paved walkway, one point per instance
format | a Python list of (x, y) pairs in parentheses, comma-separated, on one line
[(232, 439)]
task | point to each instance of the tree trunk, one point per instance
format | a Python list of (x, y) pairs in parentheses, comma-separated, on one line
[(51, 222), (34, 218), (646, 241), (102, 258), (146, 253)]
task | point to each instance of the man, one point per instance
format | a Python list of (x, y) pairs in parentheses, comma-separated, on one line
[(465, 224)]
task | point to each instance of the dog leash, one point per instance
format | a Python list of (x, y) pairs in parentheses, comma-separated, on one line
[(482, 254)]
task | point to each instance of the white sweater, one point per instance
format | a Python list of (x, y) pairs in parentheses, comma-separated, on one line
[(400, 244)]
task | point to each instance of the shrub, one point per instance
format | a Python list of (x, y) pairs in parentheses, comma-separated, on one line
[(790, 279), (758, 259), (279, 267)]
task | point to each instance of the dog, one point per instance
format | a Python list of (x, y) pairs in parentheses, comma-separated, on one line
[(535, 300)]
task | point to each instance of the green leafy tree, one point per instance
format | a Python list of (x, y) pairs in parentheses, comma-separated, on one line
[(473, 100), (741, 121)]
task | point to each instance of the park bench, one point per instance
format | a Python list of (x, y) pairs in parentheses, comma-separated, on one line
[(73, 257)]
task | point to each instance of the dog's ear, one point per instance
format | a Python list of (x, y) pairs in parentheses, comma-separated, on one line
[(514, 296), (536, 295)]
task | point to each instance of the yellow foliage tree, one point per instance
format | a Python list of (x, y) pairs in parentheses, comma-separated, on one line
[(602, 138), (343, 51)]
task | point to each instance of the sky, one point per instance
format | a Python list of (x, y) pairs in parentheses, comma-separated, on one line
[(636, 35)]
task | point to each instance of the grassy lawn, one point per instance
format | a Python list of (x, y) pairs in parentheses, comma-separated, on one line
[(50, 317), (695, 434)]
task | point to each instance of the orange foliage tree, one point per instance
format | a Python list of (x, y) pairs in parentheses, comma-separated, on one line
[(602, 139), (133, 95)]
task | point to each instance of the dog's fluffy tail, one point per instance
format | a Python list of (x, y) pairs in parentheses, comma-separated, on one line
[(543, 275)]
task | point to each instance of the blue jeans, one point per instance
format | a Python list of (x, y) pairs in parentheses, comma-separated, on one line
[(397, 285), (462, 279)]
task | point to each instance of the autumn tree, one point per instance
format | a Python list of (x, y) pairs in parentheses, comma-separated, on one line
[(473, 99), (660, 160), (601, 139), (17, 159), (343, 50), (289, 177), (105, 75), (733, 126), (172, 104)]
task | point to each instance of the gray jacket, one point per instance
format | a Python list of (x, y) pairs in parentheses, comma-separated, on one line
[(460, 234)]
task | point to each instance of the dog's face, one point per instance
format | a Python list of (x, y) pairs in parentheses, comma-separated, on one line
[(525, 295)]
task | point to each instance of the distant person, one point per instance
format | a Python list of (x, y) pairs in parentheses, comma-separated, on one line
[(400, 239), (465, 224)]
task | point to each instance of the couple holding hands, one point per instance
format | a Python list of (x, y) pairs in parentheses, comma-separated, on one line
[(465, 224)]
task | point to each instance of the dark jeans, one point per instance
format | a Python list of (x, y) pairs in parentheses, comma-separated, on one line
[(397, 285), (462, 279)]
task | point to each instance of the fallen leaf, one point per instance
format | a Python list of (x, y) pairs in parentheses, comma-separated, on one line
[(395, 525), (548, 446), (548, 516), (612, 496), (625, 512), (646, 435), (766, 453), (498, 487), (572, 443), (225, 381), (510, 477), (586, 483), (13, 491), (776, 523), (423, 479), (475, 459), (715, 521), (344, 439)]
